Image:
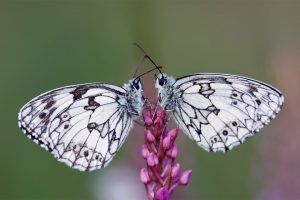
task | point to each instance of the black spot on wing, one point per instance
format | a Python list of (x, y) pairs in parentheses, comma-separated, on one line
[(225, 132), (42, 115), (49, 104), (92, 104), (78, 92), (86, 153), (66, 126), (92, 126), (252, 89), (258, 101), (92, 101), (226, 149)]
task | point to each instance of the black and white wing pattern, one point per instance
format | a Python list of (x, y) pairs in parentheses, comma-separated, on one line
[(82, 125), (219, 111)]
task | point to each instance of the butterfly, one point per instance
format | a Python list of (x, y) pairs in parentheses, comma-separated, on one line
[(218, 111), (83, 125)]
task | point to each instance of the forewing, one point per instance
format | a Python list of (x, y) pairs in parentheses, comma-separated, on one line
[(81, 125), (220, 111)]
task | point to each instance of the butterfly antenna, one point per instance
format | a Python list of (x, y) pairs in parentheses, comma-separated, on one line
[(138, 66), (148, 57), (156, 67)]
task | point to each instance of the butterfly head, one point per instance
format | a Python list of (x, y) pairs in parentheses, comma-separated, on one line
[(133, 86), (136, 84), (163, 81)]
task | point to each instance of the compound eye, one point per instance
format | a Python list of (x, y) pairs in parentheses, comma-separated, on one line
[(136, 84), (162, 81)]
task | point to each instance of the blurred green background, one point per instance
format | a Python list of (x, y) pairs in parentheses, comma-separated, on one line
[(52, 43)]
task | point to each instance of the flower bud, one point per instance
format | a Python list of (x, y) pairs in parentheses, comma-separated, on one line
[(185, 177), (147, 120), (167, 142), (162, 194), (152, 160), (173, 133), (144, 176), (150, 137), (175, 170), (173, 151), (145, 151)]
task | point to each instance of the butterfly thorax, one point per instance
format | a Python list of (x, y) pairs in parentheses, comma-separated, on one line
[(168, 96), (134, 99)]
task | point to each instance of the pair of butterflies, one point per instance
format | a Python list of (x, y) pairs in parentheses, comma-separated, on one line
[(85, 125)]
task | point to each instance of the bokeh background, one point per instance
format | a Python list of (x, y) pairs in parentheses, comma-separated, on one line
[(45, 44)]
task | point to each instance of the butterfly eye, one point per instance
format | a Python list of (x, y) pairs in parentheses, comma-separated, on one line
[(136, 84), (162, 81)]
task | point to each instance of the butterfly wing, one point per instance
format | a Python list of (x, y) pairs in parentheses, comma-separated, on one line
[(220, 111), (81, 125)]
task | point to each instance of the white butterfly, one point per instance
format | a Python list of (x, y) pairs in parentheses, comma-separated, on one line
[(218, 111), (83, 125)]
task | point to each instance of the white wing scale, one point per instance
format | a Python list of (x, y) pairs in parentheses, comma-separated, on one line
[(82, 125), (220, 111)]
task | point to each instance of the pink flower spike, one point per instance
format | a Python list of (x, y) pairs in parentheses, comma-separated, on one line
[(172, 152), (147, 120), (175, 171), (167, 142), (150, 137), (173, 133), (144, 176), (162, 194), (152, 160), (145, 151), (162, 174), (185, 177)]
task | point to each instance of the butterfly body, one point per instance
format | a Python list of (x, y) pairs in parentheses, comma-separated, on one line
[(134, 100), (218, 111), (167, 94), (83, 125)]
